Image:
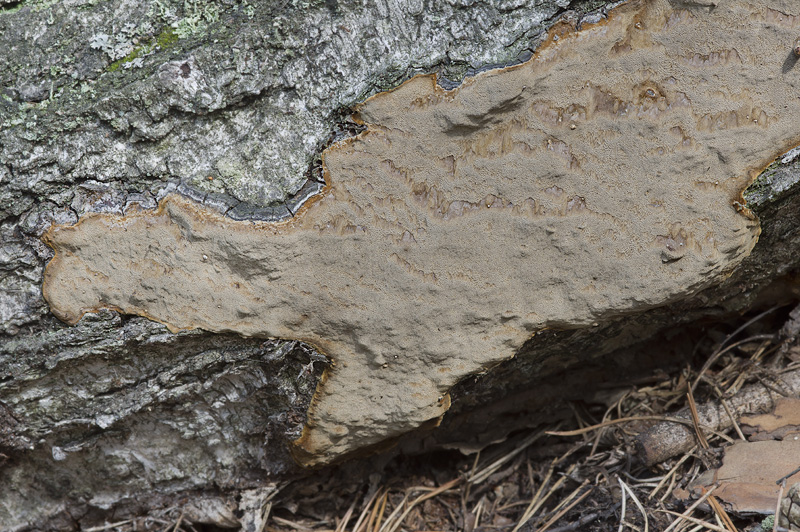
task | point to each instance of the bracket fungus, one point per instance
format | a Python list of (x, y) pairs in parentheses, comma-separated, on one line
[(601, 177)]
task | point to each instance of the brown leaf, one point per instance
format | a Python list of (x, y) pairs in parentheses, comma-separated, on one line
[(749, 472), (783, 423)]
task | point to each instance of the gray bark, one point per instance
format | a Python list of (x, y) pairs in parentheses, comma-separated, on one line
[(117, 414)]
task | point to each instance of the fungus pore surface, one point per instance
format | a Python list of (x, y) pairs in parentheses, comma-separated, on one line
[(601, 177)]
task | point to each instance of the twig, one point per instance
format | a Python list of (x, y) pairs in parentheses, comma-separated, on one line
[(690, 509), (292, 524), (178, 523), (374, 513), (390, 526), (754, 359), (665, 440), (537, 500), (381, 511), (778, 506), (571, 527), (622, 511), (265, 516), (671, 472), (566, 500), (533, 506), (724, 403), (106, 527), (694, 520), (490, 469), (563, 511), (605, 418), (669, 489), (696, 420), (342, 526), (636, 502), (642, 481), (397, 509), (365, 511), (477, 512), (604, 424), (722, 514), (468, 486), (719, 350), (664, 419), (783, 479), (713, 358)]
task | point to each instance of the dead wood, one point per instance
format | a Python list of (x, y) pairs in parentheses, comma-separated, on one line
[(668, 439)]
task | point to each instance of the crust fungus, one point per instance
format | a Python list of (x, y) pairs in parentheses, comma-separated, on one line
[(598, 178)]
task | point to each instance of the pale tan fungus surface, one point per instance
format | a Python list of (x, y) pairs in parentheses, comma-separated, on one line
[(596, 179)]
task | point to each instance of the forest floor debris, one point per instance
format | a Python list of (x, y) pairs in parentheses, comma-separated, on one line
[(593, 475)]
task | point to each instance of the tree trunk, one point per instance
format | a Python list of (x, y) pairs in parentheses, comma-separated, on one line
[(112, 107)]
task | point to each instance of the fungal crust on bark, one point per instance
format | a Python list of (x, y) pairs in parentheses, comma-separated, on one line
[(602, 177)]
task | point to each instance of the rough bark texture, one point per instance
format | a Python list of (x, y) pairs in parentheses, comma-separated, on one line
[(666, 439), (105, 104)]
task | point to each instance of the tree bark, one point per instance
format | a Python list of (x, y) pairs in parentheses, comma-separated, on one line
[(117, 415)]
